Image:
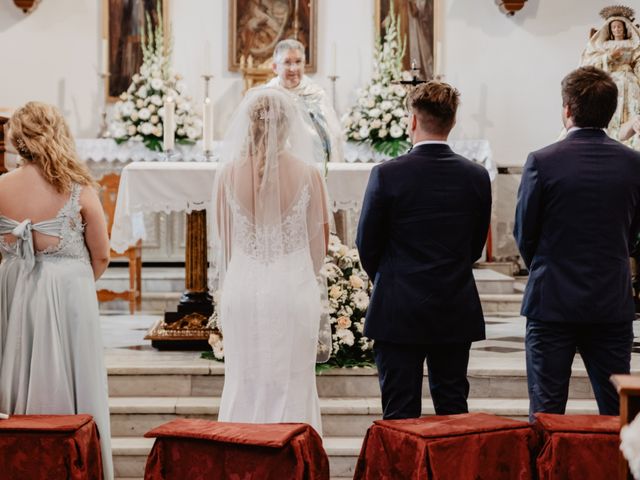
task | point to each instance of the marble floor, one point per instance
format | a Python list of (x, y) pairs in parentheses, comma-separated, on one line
[(503, 349)]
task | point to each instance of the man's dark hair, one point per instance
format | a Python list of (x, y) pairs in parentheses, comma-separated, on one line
[(591, 95), (435, 105)]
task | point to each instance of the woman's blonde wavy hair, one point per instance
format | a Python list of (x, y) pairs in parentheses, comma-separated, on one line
[(41, 136)]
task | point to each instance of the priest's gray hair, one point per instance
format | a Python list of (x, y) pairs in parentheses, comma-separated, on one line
[(285, 45)]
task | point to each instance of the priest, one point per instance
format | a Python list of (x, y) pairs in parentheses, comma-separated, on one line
[(322, 121)]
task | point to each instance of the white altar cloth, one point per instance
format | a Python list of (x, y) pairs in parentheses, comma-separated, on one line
[(152, 186), (147, 187), (107, 150)]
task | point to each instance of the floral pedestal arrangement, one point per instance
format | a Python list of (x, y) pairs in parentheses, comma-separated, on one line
[(139, 113), (379, 117)]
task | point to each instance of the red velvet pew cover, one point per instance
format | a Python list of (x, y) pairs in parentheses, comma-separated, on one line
[(467, 446), (188, 448), (50, 447), (578, 446)]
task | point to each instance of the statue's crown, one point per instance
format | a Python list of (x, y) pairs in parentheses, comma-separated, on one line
[(617, 11)]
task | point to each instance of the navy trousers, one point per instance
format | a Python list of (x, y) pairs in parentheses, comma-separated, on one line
[(605, 349), (401, 369)]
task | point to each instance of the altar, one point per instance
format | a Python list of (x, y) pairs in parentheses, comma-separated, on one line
[(151, 202)]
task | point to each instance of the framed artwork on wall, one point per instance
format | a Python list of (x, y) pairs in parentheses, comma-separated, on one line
[(256, 26), (418, 26), (123, 24)]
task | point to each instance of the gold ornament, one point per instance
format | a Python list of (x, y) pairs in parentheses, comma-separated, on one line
[(617, 11)]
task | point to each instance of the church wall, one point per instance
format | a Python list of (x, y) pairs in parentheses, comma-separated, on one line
[(52, 55), (508, 69)]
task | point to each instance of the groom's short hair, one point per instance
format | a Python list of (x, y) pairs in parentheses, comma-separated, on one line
[(435, 105), (591, 95)]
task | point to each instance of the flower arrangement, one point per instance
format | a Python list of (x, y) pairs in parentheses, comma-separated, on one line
[(379, 117), (348, 292), (348, 295), (139, 112)]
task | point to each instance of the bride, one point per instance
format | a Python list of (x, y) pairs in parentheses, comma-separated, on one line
[(271, 232)]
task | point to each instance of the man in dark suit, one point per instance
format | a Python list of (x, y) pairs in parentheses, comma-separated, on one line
[(424, 222), (576, 218)]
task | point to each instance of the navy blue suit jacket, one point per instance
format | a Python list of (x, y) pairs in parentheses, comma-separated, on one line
[(576, 218), (424, 222)]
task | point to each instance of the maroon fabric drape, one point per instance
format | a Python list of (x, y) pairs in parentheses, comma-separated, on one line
[(50, 447), (578, 446), (188, 448), (456, 447)]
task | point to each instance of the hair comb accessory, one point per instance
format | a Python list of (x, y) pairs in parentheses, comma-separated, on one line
[(22, 148), (266, 114), (617, 11)]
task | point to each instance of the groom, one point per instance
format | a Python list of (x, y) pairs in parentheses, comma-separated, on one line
[(424, 222)]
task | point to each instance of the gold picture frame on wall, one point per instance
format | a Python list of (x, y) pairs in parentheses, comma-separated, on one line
[(123, 24), (256, 26), (418, 24)]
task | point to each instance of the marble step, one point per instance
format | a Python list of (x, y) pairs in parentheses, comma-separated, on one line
[(341, 417), (154, 279), (501, 303), (162, 287), (207, 379), (171, 279), (130, 456), (159, 302), (492, 282)]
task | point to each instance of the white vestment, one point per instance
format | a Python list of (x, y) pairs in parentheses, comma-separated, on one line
[(322, 121)]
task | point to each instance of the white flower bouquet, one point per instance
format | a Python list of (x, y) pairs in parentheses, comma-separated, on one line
[(347, 301), (139, 112), (349, 290), (379, 117)]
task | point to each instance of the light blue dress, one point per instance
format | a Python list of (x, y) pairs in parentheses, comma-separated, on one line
[(51, 352)]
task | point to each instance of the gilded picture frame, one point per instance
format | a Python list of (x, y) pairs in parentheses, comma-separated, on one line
[(123, 24), (418, 24), (256, 26)]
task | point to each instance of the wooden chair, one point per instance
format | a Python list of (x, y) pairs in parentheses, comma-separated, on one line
[(3, 121), (108, 195)]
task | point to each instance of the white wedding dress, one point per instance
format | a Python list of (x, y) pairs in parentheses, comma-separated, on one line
[(270, 219), (270, 315), (51, 353)]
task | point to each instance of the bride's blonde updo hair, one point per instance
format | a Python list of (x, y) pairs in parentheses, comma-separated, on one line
[(265, 110), (41, 136)]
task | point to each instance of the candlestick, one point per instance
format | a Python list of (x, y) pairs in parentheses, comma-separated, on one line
[(105, 56), (168, 125), (207, 78), (207, 126), (104, 127), (333, 79)]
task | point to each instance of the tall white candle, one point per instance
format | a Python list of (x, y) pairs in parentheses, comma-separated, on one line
[(207, 58), (105, 56), (207, 125), (334, 61), (168, 124)]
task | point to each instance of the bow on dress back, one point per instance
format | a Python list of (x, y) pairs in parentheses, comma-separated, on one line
[(23, 233)]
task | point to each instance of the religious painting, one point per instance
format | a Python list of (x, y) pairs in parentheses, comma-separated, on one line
[(417, 25), (124, 23), (256, 26)]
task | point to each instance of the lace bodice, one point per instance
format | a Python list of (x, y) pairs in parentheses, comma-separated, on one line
[(269, 242), (66, 225)]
